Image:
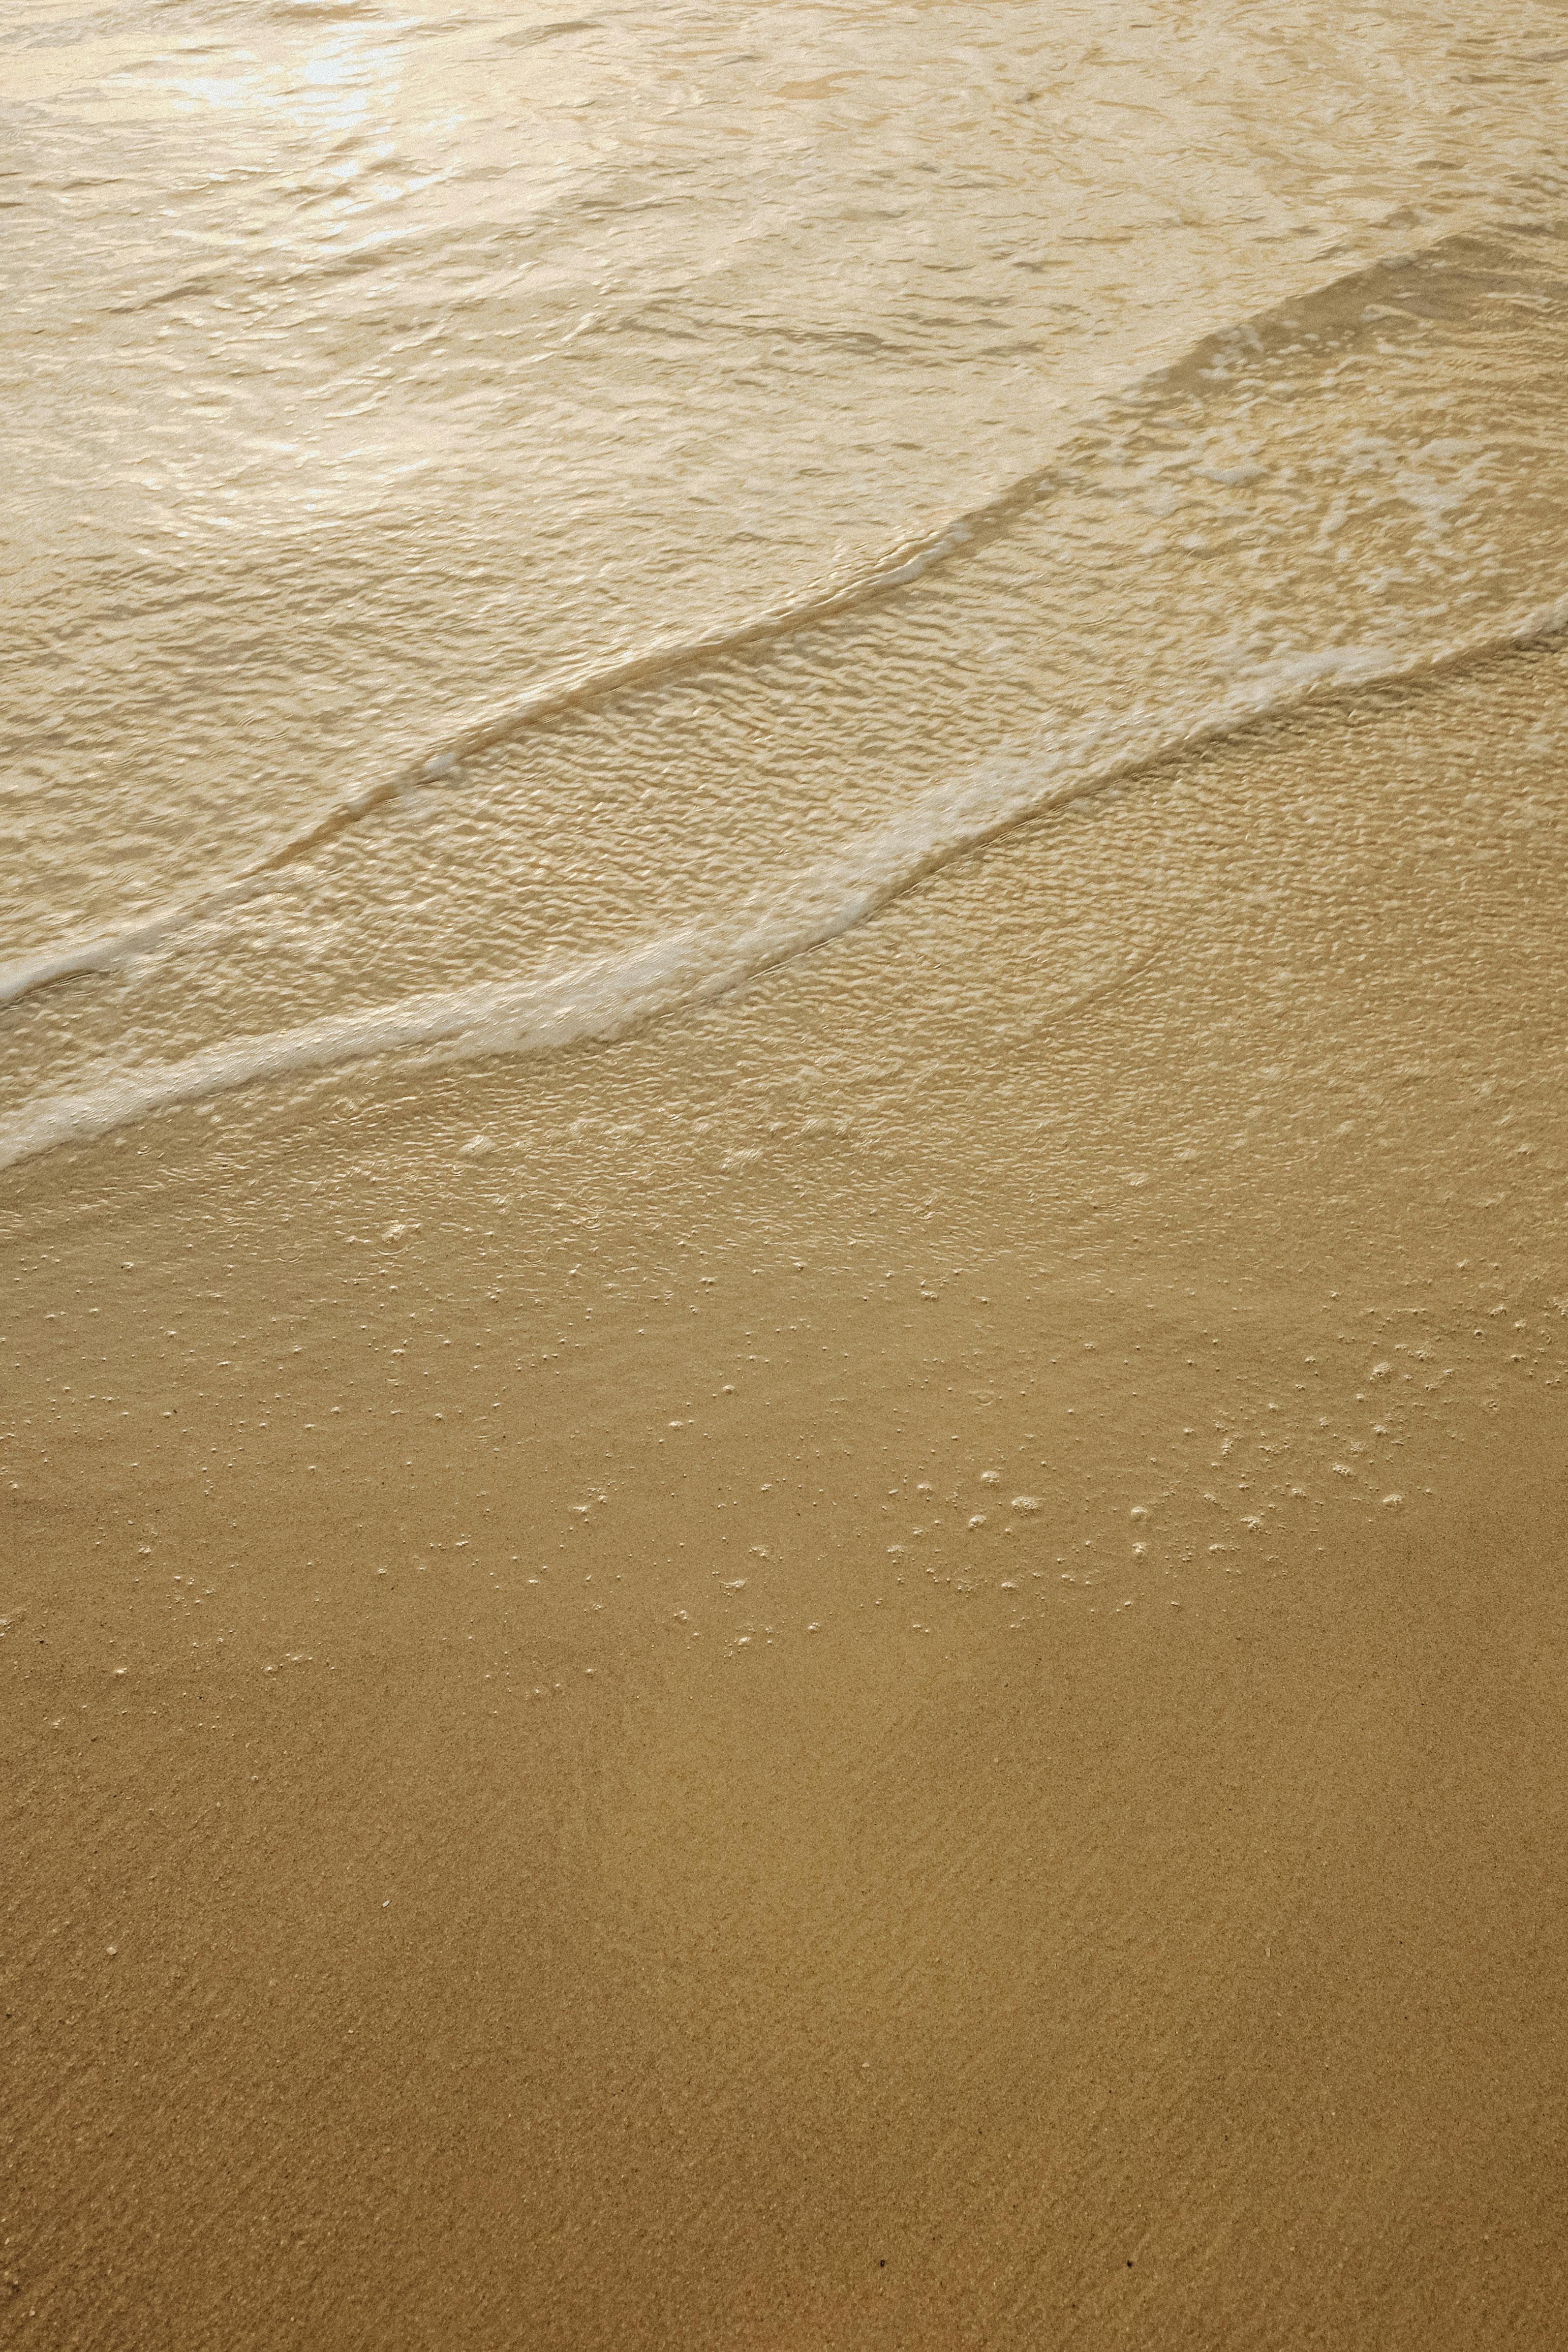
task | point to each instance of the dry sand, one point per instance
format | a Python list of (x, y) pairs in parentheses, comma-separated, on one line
[(882, 1668)]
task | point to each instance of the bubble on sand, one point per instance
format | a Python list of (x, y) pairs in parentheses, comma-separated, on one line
[(1026, 1503)]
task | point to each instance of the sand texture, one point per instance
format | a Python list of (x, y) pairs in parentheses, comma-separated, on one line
[(883, 1667)]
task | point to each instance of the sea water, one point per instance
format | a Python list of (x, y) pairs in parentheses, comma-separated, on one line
[(517, 520)]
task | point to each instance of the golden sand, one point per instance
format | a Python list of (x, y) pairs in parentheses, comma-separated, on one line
[(880, 1668)]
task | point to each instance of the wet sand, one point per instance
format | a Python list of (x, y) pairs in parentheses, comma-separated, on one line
[(882, 1667)]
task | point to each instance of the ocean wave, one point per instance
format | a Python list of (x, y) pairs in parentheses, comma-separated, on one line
[(606, 997)]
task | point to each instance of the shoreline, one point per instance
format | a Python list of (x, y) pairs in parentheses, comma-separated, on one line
[(1085, 1969)]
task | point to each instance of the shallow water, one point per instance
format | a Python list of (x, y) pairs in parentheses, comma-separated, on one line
[(882, 1665), (523, 521)]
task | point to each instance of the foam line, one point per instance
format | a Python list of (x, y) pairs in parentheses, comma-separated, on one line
[(606, 997)]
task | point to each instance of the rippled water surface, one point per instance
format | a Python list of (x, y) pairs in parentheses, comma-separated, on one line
[(518, 520)]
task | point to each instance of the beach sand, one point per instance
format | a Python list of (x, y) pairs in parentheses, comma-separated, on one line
[(882, 1667)]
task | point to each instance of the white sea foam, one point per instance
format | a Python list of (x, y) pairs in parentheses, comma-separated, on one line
[(604, 997)]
